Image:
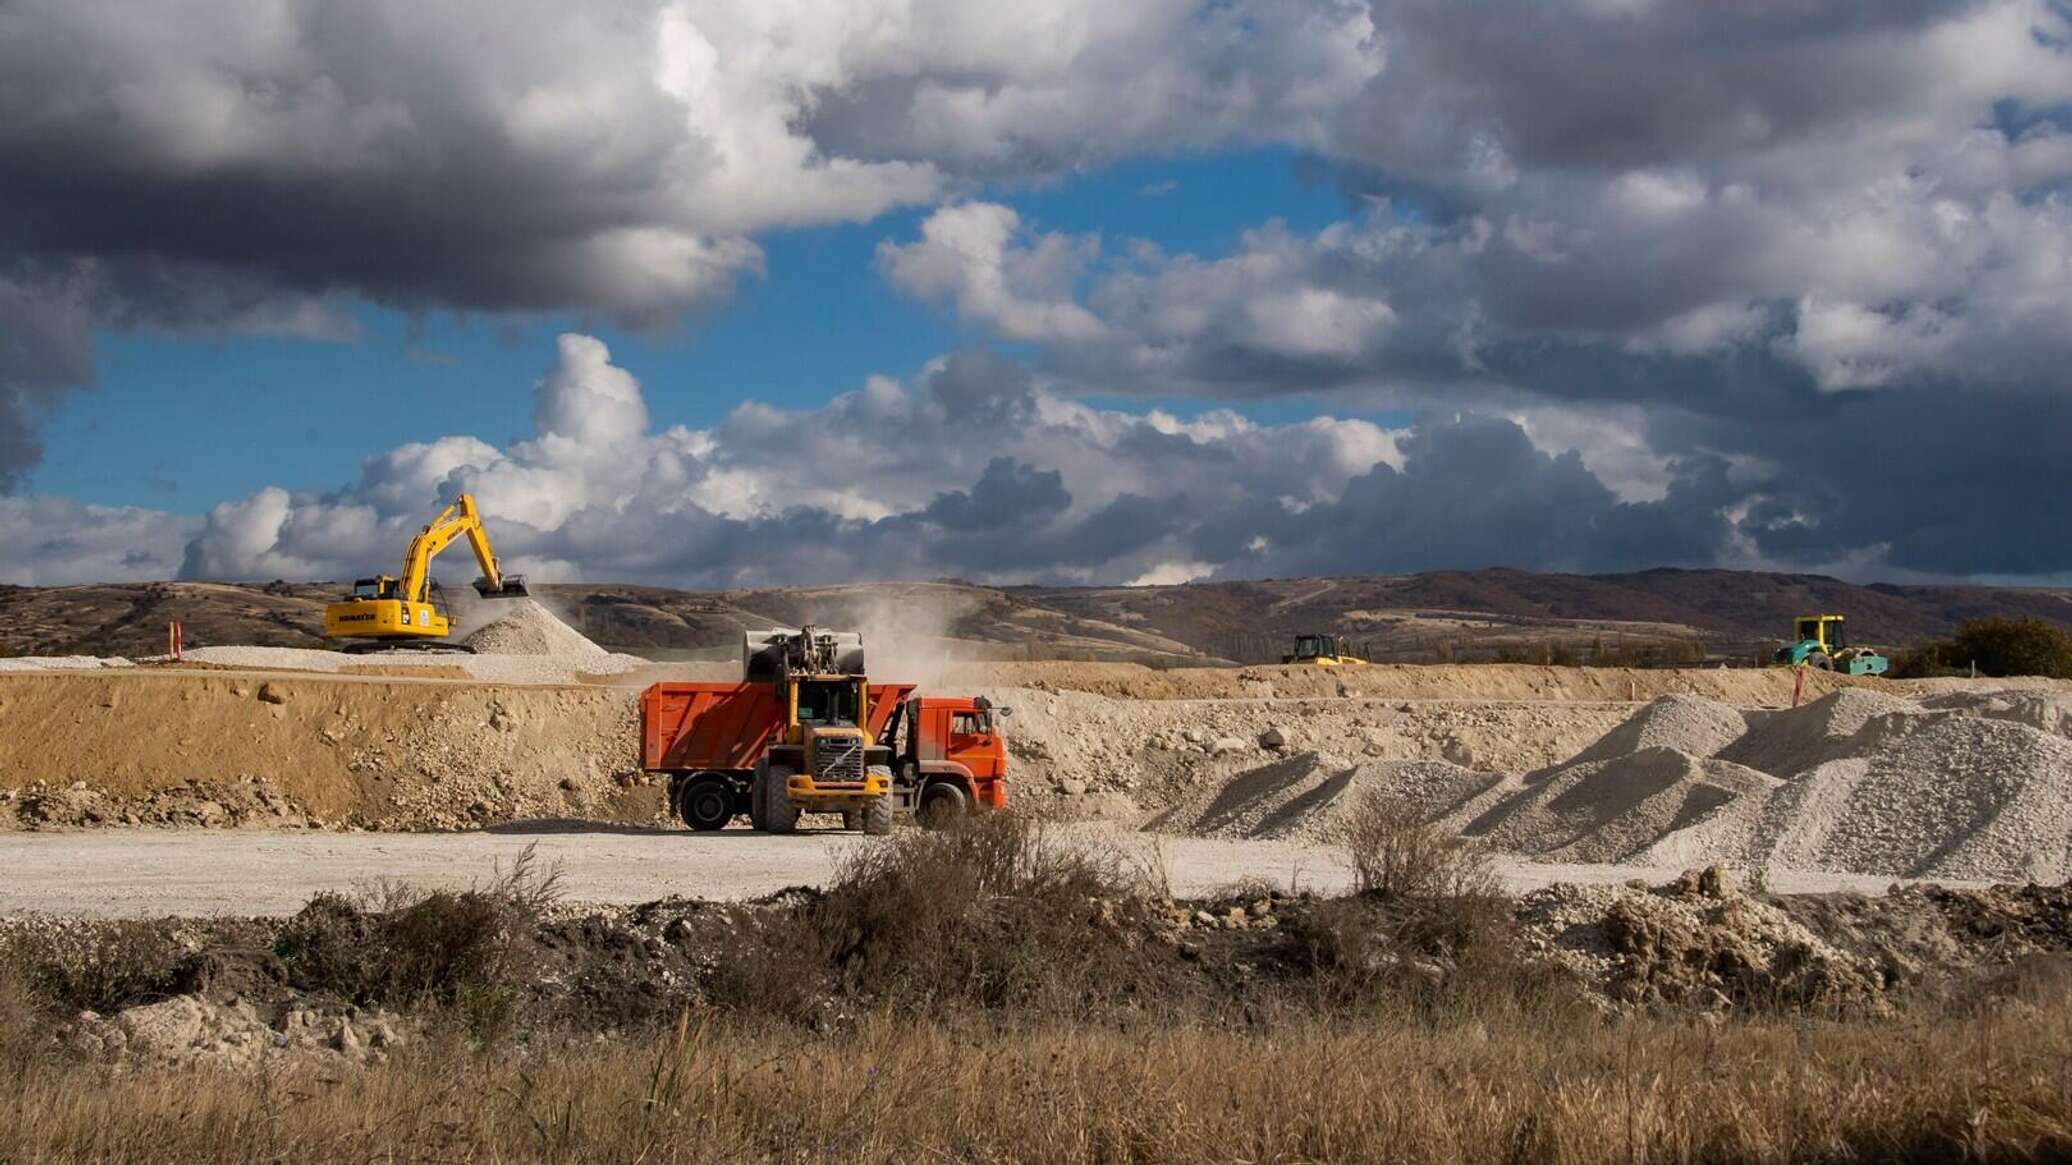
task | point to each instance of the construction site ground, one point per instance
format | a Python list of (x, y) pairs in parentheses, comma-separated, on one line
[(160, 873), (245, 778)]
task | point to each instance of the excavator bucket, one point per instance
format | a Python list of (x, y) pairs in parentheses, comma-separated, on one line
[(513, 588)]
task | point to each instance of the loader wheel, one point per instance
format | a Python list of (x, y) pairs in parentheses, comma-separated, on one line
[(780, 812), (943, 804), (877, 816), (759, 799), (1819, 661), (852, 819), (706, 805)]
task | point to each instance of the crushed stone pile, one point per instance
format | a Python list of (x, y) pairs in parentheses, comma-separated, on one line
[(63, 663), (1967, 786), (525, 644), (1972, 785), (1612, 810), (1687, 724), (526, 628), (1304, 797)]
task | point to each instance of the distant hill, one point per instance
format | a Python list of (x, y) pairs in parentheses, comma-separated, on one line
[(1482, 614)]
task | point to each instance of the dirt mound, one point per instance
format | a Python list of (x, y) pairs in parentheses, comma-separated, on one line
[(1687, 724), (154, 746), (524, 627), (193, 1031)]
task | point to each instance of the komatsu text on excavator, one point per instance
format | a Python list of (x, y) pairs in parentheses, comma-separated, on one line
[(388, 611)]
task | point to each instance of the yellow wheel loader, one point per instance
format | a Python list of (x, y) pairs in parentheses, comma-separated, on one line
[(390, 611), (824, 758)]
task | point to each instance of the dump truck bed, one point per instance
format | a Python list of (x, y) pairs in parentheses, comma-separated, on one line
[(727, 727)]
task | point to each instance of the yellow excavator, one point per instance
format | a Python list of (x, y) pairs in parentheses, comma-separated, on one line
[(386, 611)]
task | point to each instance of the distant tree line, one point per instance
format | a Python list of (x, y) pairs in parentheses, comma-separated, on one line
[(1995, 647)]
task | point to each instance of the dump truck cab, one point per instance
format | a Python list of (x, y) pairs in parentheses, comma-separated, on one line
[(951, 756)]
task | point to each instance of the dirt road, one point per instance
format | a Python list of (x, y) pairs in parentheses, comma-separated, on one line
[(151, 873)]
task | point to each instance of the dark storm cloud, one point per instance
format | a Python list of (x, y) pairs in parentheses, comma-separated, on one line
[(1476, 490)]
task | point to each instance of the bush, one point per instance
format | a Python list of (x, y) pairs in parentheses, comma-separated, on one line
[(413, 948), (103, 967), (1396, 853), (2012, 647), (992, 914)]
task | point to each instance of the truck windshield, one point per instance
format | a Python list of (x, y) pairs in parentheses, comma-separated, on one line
[(827, 703)]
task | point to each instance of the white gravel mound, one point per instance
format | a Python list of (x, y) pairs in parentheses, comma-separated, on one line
[(1612, 810), (1967, 785), (1687, 724), (1304, 797), (526, 644), (524, 627), (62, 663), (1798, 739)]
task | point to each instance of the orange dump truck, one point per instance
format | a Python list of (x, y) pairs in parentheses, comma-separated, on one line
[(932, 756)]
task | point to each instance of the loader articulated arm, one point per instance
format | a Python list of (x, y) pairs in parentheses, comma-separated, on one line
[(456, 520)]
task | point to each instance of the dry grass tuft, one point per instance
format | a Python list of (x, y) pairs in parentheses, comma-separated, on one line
[(1396, 853), (992, 914), (410, 948), (1983, 1087)]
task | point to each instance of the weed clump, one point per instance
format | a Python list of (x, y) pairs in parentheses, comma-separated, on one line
[(409, 948), (993, 913)]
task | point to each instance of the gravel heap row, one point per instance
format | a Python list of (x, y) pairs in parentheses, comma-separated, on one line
[(1972, 785)]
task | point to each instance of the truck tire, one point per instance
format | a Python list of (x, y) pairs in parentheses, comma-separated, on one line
[(705, 804), (759, 799), (852, 819), (943, 804), (780, 812), (877, 816)]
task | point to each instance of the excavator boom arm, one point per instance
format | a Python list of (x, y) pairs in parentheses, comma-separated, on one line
[(455, 521)]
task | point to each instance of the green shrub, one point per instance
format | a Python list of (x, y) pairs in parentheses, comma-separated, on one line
[(2013, 647), (1997, 647)]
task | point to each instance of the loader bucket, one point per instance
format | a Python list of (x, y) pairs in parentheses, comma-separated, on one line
[(513, 588)]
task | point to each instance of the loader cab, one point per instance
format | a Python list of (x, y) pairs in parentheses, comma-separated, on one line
[(827, 703)]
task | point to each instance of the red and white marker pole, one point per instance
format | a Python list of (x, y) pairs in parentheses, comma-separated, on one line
[(172, 636)]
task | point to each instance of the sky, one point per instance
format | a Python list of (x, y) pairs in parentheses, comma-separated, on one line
[(726, 294)]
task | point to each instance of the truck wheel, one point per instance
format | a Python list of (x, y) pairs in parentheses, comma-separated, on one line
[(943, 804), (759, 799), (706, 805), (877, 816), (852, 819), (780, 812)]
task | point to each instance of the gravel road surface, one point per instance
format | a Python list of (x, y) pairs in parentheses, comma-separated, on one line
[(152, 873)]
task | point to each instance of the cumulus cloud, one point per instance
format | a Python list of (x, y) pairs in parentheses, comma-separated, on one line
[(248, 168), (975, 470), (1730, 227)]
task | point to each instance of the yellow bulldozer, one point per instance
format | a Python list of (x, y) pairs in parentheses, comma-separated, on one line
[(398, 611), (1324, 651)]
